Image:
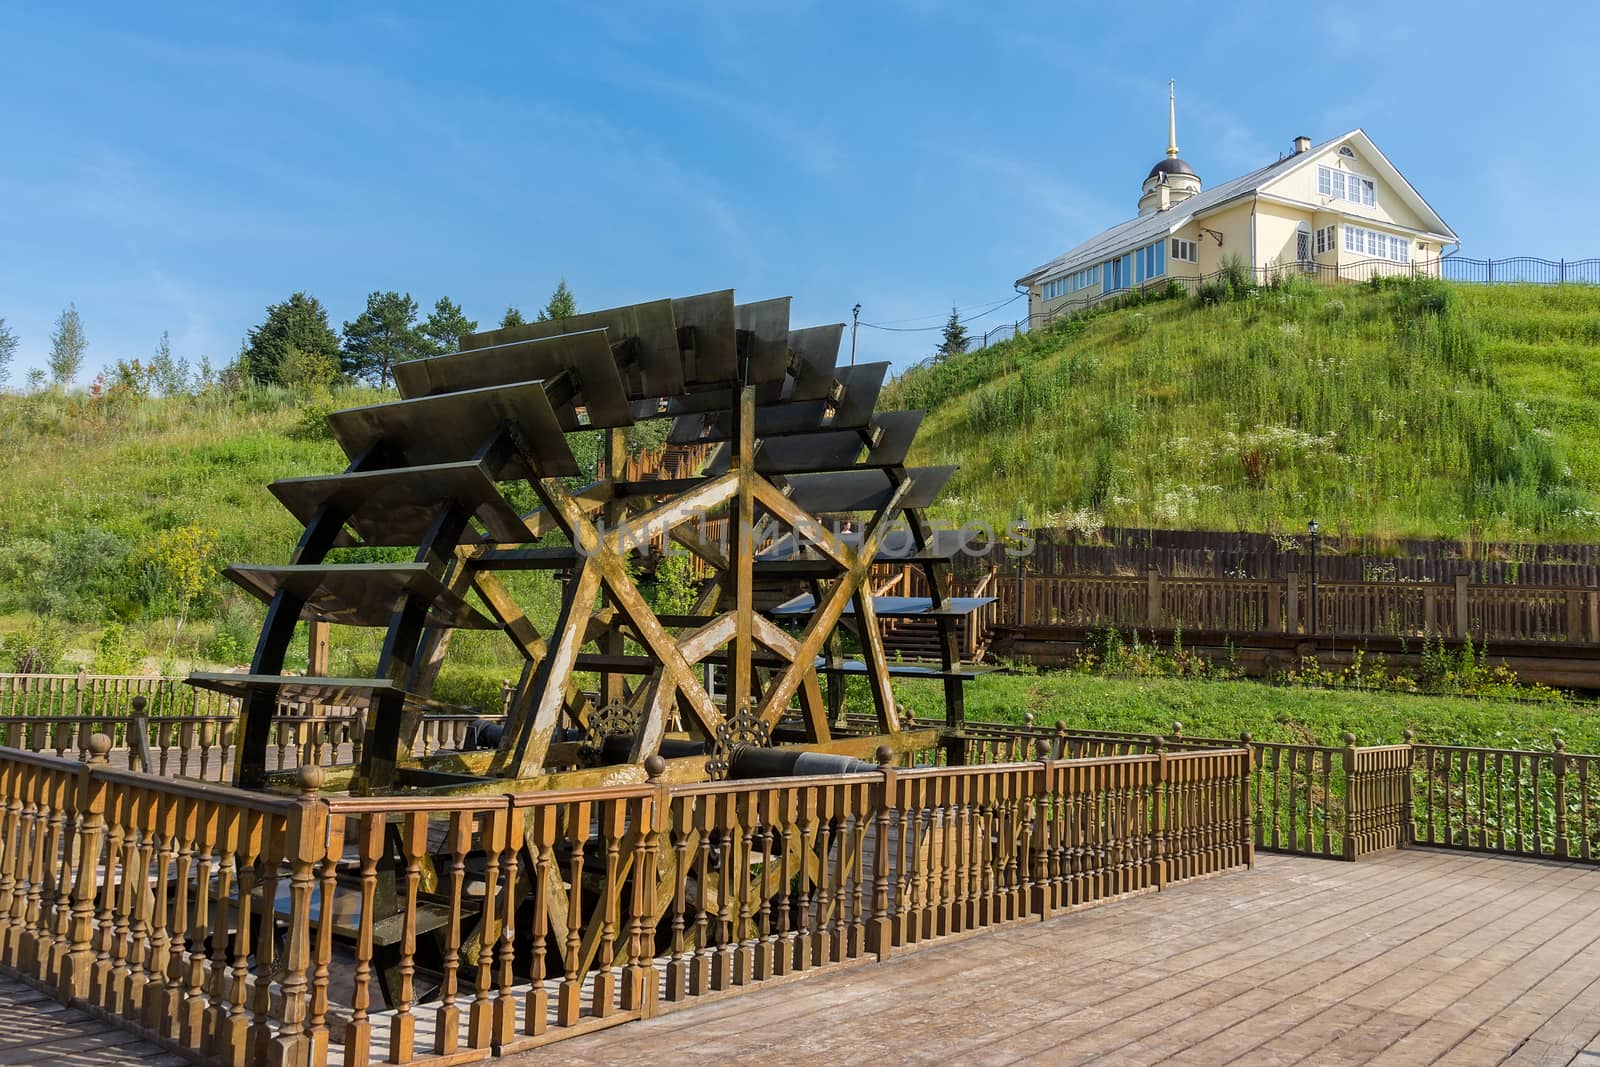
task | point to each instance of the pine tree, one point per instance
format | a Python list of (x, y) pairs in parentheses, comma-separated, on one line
[(445, 328), (8, 349), (562, 304), (300, 323), (955, 337), (512, 317), (384, 334), (67, 345)]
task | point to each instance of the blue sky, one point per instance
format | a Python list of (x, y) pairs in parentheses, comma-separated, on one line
[(178, 168)]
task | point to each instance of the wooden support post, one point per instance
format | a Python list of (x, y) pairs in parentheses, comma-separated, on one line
[(880, 939), (307, 837), (1354, 816), (1291, 601), (74, 980), (1152, 598), (615, 458), (1408, 810), (318, 634), (1462, 618), (1558, 763)]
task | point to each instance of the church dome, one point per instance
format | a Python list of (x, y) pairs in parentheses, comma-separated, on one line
[(1171, 166)]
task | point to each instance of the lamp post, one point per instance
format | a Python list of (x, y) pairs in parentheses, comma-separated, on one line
[(1311, 529), (1021, 528), (855, 320)]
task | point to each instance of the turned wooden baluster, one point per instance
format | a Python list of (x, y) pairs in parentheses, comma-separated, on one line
[(358, 1032), (542, 835), (569, 1003), (403, 1026), (447, 1021)]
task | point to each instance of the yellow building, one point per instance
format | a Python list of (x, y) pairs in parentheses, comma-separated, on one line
[(1335, 211)]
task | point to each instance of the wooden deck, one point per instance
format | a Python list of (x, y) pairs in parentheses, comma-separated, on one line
[(1404, 958), (35, 1028)]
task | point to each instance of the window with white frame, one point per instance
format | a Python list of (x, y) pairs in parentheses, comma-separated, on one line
[(1330, 182), (1325, 239), (1185, 251), (1376, 244), (1335, 184)]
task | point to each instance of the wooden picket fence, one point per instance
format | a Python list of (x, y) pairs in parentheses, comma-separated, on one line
[(1246, 606)]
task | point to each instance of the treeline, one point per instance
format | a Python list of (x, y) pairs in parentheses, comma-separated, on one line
[(294, 346)]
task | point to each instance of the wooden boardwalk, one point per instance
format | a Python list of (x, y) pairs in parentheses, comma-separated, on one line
[(34, 1028), (1404, 958)]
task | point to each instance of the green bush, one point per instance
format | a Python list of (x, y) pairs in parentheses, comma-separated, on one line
[(118, 651), (38, 648)]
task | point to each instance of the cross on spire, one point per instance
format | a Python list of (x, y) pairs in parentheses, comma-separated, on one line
[(1172, 119)]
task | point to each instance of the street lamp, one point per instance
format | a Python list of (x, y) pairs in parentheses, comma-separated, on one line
[(1311, 529), (855, 320), (1020, 528)]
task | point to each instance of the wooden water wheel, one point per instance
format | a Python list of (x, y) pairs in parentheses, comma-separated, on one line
[(806, 478)]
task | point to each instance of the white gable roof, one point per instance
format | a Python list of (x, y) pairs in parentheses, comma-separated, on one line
[(1138, 232)]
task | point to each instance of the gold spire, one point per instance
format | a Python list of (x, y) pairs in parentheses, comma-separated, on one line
[(1172, 119)]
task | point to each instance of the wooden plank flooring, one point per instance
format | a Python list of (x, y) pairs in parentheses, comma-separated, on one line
[(1405, 958), (35, 1028)]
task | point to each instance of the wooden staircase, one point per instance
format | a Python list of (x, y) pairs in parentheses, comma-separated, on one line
[(918, 638)]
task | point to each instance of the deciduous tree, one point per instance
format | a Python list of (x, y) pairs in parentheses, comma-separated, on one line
[(170, 376), (8, 350), (67, 345)]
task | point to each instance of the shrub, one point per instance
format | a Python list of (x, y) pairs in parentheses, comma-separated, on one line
[(37, 649), (118, 651)]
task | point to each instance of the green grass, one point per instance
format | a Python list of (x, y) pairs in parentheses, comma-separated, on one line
[(1423, 409), (1269, 713)]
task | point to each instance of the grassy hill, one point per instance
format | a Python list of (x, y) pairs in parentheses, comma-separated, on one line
[(108, 502), (1417, 408)]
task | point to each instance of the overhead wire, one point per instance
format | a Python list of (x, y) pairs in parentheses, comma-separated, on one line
[(939, 326)]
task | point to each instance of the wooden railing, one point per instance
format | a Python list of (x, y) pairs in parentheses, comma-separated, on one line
[(1282, 606), (203, 746), (256, 928), (1544, 804), (1345, 802), (101, 694)]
